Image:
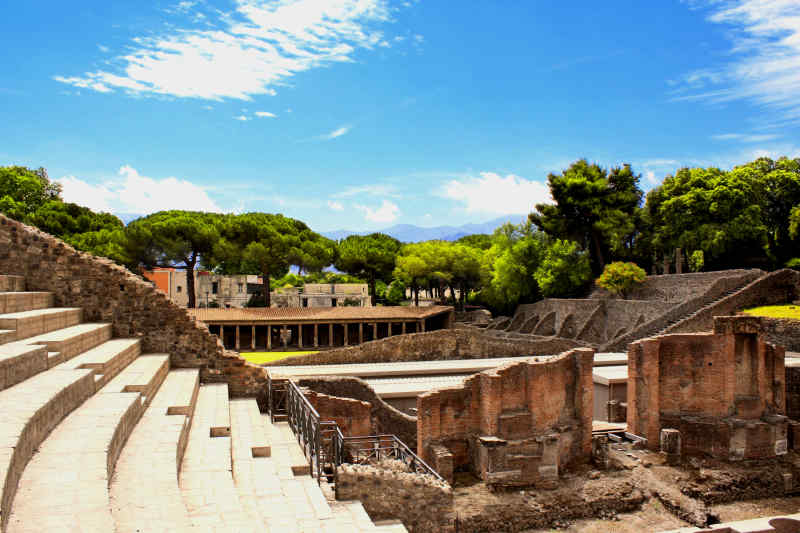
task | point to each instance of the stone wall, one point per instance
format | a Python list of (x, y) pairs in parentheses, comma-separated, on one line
[(677, 288), (385, 419), (783, 332), (352, 416), (107, 292), (458, 343), (422, 503), (779, 287), (744, 283), (517, 424), (724, 391)]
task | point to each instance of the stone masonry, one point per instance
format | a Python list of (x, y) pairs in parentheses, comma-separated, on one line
[(515, 425), (107, 292), (724, 391)]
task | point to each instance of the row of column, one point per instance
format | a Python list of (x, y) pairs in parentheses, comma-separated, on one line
[(374, 325)]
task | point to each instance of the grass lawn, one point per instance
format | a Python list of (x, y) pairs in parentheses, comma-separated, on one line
[(776, 311), (259, 358)]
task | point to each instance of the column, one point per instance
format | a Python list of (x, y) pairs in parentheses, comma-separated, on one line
[(403, 328), (346, 333), (237, 338), (360, 333), (299, 335), (374, 331), (390, 328), (253, 339), (330, 334), (316, 335), (421, 326), (269, 337)]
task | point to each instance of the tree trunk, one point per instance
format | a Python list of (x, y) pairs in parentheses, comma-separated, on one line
[(190, 264), (601, 263), (265, 280), (462, 296), (416, 296)]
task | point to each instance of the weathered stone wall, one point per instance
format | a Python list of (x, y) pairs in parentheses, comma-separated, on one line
[(783, 332), (516, 424), (777, 287), (724, 391), (352, 416), (677, 288), (697, 312), (422, 503), (458, 343), (107, 292), (385, 419)]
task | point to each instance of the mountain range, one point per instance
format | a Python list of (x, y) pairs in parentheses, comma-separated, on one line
[(412, 233)]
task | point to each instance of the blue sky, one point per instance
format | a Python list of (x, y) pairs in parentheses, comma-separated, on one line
[(361, 114)]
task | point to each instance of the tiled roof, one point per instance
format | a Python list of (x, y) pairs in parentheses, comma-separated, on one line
[(315, 314)]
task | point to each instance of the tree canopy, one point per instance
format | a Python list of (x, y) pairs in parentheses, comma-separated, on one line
[(371, 257)]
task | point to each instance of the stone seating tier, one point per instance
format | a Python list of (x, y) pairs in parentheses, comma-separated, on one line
[(108, 439)]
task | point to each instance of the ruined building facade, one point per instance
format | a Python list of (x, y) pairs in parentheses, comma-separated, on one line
[(723, 390)]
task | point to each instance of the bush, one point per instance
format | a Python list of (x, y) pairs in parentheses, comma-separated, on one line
[(396, 292), (696, 261), (793, 263), (619, 277)]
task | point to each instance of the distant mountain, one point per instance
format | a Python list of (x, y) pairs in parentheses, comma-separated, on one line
[(411, 233)]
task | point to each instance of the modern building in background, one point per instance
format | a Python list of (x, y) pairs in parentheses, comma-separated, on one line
[(236, 291)]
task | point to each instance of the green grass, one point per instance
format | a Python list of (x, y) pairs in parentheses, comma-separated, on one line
[(259, 358), (776, 311)]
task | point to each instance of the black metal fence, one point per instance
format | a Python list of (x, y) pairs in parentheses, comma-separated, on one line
[(322, 441)]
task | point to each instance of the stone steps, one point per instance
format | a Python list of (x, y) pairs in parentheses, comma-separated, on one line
[(14, 302), (206, 481), (31, 323), (144, 494), (9, 283), (297, 461), (70, 474), (106, 359), (64, 344)]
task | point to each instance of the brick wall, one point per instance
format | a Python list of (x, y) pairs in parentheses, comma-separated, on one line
[(107, 292), (422, 503), (517, 424), (782, 331), (724, 390), (458, 343), (352, 416), (385, 419)]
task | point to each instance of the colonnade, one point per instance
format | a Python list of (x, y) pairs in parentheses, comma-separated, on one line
[(406, 326)]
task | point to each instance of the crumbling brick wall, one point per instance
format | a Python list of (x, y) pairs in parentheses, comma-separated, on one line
[(783, 332), (458, 343), (107, 292), (517, 424), (352, 416), (421, 502), (724, 391), (385, 418)]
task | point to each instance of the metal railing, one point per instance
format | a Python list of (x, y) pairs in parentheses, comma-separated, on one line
[(322, 441)]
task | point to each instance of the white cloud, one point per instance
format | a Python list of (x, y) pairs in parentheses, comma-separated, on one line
[(242, 118), (369, 190), (492, 193), (387, 212), (245, 52), (650, 176), (338, 132), (336, 206), (264, 114), (744, 137), (130, 192), (764, 64), (103, 48)]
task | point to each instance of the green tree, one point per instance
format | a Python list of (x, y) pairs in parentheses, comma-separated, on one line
[(66, 219), (564, 270), (396, 292), (371, 257), (620, 277), (23, 191), (268, 244), (177, 239), (696, 261), (413, 271), (481, 241), (594, 207)]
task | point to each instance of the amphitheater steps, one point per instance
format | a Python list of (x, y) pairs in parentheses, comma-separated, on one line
[(144, 493), (106, 359), (31, 323), (69, 475), (70, 341), (297, 461), (206, 482), (15, 302)]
